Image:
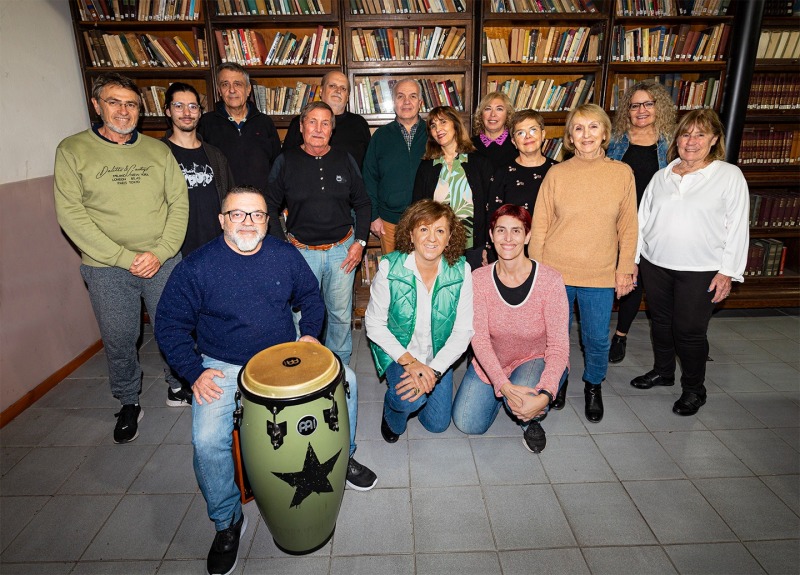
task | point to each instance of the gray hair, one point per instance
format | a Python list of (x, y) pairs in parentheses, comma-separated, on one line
[(318, 105), (114, 79)]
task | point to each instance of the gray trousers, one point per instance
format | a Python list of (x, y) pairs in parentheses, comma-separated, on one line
[(116, 296)]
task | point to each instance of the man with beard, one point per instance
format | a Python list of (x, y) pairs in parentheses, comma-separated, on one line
[(224, 303), (121, 198)]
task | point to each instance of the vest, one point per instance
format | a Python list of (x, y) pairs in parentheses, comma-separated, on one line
[(402, 317)]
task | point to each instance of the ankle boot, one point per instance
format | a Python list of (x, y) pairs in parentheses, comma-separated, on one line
[(561, 396), (594, 402)]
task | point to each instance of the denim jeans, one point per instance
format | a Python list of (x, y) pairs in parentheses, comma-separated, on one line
[(476, 406), (337, 292), (594, 305), (434, 408)]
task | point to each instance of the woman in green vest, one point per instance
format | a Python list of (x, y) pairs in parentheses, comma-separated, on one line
[(419, 317)]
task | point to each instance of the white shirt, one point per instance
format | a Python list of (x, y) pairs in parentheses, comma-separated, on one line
[(698, 222), (421, 344)]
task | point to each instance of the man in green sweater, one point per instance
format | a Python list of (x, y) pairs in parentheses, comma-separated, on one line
[(122, 200)]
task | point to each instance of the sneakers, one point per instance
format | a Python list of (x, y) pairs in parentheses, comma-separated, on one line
[(534, 438), (179, 398), (127, 428), (360, 477), (224, 552)]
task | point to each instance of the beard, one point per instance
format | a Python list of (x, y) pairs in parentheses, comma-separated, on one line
[(245, 244), (186, 128)]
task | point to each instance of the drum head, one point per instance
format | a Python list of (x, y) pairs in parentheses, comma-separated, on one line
[(289, 370)]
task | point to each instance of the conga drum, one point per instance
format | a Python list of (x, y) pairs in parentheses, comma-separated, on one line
[(295, 441)]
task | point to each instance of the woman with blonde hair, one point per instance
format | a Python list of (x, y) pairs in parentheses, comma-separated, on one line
[(491, 129)]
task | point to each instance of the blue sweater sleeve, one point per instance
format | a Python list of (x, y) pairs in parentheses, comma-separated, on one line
[(306, 296)]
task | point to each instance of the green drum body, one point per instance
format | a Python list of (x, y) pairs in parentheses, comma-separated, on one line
[(295, 441)]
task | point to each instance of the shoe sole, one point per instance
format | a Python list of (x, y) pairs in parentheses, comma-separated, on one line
[(652, 385), (528, 447), (359, 488), (178, 403), (616, 360), (241, 533), (141, 415)]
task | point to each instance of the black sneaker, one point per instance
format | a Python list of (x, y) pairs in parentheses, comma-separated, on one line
[(180, 398), (224, 552), (534, 438), (360, 477), (128, 418)]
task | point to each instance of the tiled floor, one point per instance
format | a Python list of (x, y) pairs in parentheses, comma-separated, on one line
[(644, 491)]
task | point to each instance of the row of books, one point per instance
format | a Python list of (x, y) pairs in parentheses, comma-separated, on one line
[(153, 98), (547, 45), (774, 209), (131, 50), (144, 10), (688, 93), (781, 7), (543, 6), (554, 149), (777, 91), (769, 147), (285, 100), (672, 7), (408, 43), (269, 7), (779, 44), (682, 42), (545, 95), (374, 96), (407, 6), (765, 257), (248, 48)]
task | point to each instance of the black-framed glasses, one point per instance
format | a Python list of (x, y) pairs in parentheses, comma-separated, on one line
[(179, 106), (130, 106), (647, 105), (238, 216)]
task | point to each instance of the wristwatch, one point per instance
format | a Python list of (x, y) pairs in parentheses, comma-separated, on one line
[(362, 243)]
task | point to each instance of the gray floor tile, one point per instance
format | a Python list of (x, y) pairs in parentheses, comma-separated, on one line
[(370, 388), (96, 366), (80, 393), (373, 564), (603, 515), (732, 378), (713, 559), (287, 566), (42, 471), (628, 561), (263, 545), (770, 408), (191, 567), (442, 462), (157, 423), (759, 450), (17, 513), (618, 418), (108, 469), (783, 349), (779, 376), (83, 427), (169, 470), (195, 533), (457, 564), (619, 379), (374, 523), (790, 435), (181, 432), (655, 411), (140, 528), (721, 411), (503, 461), (527, 517), (116, 568), (787, 487), (574, 459), (544, 562), (10, 456), (369, 422), (45, 537), (677, 512), (723, 329), (743, 350), (416, 431), (566, 421), (37, 568), (786, 326), (153, 366), (700, 454), (440, 516), (777, 557), (389, 462), (752, 330), (637, 456), (30, 427)]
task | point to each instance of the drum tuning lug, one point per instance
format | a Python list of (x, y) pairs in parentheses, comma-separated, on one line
[(346, 388), (332, 416), (276, 432)]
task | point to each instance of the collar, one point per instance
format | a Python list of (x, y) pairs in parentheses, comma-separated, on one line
[(96, 130), (705, 172), (486, 141), (460, 158)]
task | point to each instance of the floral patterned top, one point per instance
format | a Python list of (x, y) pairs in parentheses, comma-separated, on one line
[(453, 189)]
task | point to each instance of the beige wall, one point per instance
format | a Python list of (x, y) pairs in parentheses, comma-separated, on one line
[(45, 316)]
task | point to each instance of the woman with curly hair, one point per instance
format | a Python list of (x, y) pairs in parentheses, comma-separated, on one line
[(419, 317), (492, 129), (452, 173), (643, 127)]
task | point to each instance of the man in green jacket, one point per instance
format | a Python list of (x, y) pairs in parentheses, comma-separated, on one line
[(392, 159), (121, 198)]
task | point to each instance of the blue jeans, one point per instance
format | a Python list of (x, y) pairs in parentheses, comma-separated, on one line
[(337, 292), (212, 429), (476, 406), (434, 408), (594, 305)]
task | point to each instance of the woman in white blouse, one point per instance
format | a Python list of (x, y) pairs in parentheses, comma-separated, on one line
[(693, 238), (419, 317)]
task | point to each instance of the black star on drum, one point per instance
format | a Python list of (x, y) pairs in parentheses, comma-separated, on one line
[(312, 479)]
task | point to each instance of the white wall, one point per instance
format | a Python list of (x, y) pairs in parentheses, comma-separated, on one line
[(41, 93)]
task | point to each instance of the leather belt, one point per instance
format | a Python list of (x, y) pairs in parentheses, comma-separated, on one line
[(320, 248)]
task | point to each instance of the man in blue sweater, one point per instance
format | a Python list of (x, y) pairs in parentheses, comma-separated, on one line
[(224, 303)]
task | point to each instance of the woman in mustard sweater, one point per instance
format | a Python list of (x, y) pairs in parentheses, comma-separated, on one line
[(584, 225)]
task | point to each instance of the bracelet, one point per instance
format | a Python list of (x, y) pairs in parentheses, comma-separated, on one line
[(548, 394), (438, 375), (405, 364)]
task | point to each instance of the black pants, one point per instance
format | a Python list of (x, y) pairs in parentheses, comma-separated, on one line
[(629, 307), (680, 309)]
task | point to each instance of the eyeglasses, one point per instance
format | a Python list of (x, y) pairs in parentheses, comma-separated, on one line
[(647, 105), (238, 216), (130, 106), (532, 131), (179, 106)]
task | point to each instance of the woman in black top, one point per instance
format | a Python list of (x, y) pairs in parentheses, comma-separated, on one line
[(492, 127)]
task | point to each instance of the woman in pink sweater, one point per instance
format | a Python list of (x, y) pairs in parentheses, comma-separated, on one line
[(521, 342)]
